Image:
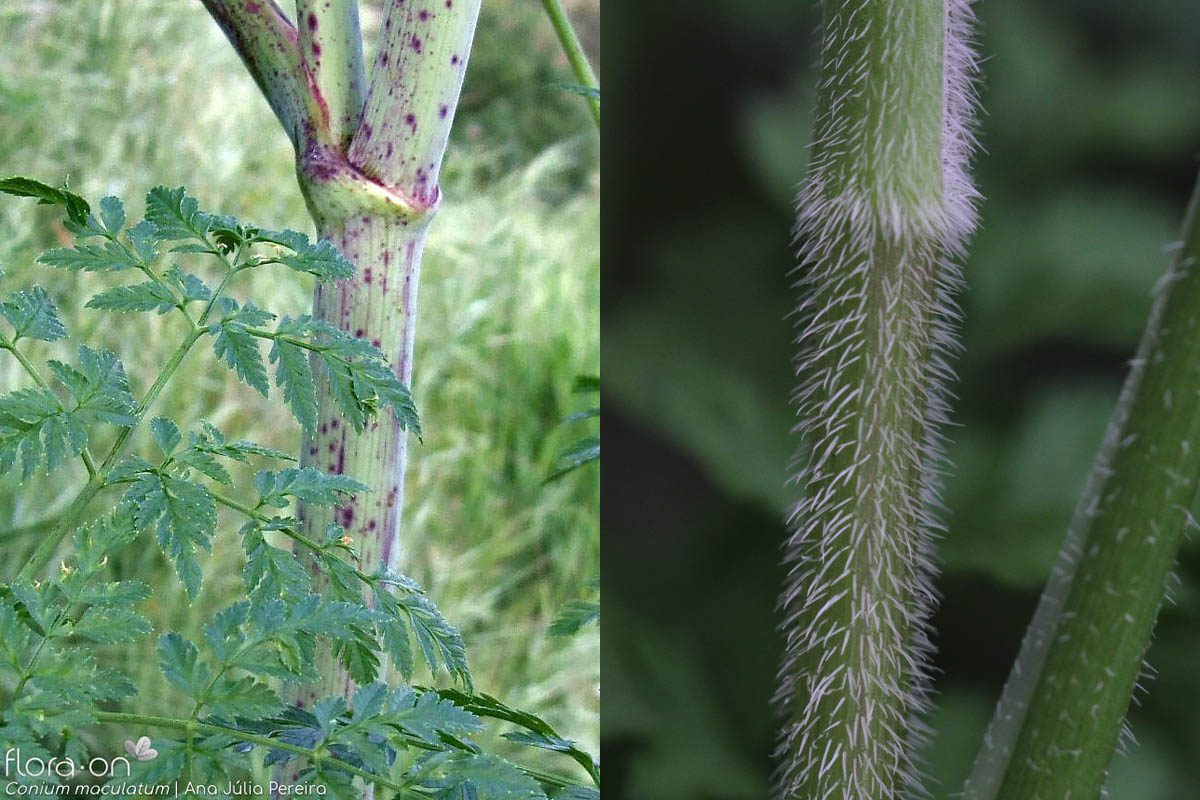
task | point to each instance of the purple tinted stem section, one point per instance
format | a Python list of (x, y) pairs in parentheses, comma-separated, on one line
[(267, 43), (369, 172), (415, 84), (378, 304)]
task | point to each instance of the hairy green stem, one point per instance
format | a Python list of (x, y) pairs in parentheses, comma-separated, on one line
[(886, 203), (1060, 718), (576, 57)]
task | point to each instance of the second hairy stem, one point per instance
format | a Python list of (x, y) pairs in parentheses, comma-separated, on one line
[(1061, 714)]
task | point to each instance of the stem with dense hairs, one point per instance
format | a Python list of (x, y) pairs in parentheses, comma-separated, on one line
[(1062, 712), (368, 155), (886, 205)]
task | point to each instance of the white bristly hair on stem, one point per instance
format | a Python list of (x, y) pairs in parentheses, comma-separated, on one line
[(884, 213)]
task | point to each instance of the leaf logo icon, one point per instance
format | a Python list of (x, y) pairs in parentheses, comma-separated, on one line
[(142, 750)]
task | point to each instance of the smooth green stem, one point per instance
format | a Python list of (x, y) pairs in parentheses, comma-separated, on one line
[(29, 528), (575, 55), (1060, 718)]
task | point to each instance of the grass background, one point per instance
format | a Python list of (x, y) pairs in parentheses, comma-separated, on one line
[(121, 95), (1090, 134)]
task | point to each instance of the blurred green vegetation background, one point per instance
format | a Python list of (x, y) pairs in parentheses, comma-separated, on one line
[(1089, 139), (122, 95)]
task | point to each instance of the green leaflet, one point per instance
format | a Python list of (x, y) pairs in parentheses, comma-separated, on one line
[(33, 315), (109, 256), (112, 214), (582, 452), (210, 440), (410, 616), (585, 450), (166, 434), (576, 615), (450, 774), (35, 430), (294, 375), (109, 625), (179, 661), (237, 346), (249, 642), (272, 571), (77, 208), (306, 484), (360, 380), (41, 626), (537, 732), (99, 386), (208, 444), (183, 515), (319, 258), (176, 216), (189, 288), (147, 296)]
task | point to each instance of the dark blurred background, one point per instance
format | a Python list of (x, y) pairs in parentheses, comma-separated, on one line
[(1089, 139)]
